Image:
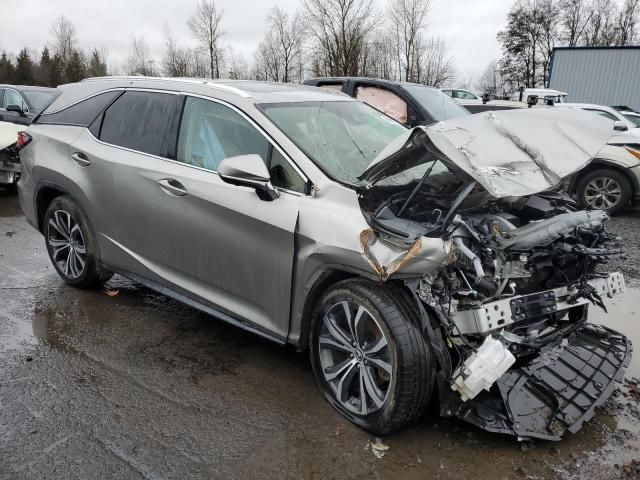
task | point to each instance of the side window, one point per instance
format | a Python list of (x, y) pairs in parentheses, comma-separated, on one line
[(211, 132), (143, 121), (465, 95), (11, 97), (384, 101), (82, 113), (608, 115), (283, 175), (448, 92), (331, 86)]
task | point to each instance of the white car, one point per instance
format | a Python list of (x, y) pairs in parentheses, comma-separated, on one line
[(633, 117), (465, 97), (622, 124)]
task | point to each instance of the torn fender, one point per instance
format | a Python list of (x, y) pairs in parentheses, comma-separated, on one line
[(424, 256)]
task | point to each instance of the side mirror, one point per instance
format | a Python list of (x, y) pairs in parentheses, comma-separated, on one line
[(248, 171), (485, 98), (15, 108), (619, 126), (532, 100)]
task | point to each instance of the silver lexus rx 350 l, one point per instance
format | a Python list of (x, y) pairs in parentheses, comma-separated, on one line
[(407, 261)]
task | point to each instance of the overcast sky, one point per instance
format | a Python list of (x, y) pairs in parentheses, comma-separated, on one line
[(469, 27)]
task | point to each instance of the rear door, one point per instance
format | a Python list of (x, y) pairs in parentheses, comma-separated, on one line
[(114, 169)]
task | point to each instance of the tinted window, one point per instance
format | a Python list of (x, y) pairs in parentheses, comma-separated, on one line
[(82, 113), (143, 121), (211, 132)]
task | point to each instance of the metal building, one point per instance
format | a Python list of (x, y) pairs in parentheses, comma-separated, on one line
[(600, 75)]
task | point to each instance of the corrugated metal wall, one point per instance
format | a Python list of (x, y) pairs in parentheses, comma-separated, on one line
[(604, 76)]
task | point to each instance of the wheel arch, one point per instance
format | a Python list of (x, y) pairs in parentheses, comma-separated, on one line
[(326, 278), (46, 193), (600, 164)]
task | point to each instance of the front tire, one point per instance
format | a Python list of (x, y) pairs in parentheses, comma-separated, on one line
[(72, 246), (604, 189), (369, 358)]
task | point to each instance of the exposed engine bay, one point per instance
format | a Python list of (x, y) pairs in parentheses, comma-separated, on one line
[(507, 312)]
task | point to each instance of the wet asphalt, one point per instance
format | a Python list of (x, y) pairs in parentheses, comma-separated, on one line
[(136, 385)]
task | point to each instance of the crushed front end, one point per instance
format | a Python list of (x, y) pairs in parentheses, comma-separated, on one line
[(507, 313)]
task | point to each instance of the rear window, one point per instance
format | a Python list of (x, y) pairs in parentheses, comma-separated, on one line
[(144, 121), (82, 113)]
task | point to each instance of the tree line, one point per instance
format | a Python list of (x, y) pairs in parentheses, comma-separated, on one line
[(341, 38), (535, 27), (321, 38), (63, 63)]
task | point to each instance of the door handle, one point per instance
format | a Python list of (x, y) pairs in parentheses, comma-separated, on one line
[(80, 159), (172, 187)]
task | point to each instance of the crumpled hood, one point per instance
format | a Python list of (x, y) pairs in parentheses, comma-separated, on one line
[(9, 133), (509, 153)]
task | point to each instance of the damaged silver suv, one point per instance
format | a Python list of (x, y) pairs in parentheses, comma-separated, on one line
[(408, 262)]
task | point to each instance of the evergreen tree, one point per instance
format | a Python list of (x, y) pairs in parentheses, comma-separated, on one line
[(43, 69), (56, 71), (24, 68), (75, 68), (7, 70), (97, 65)]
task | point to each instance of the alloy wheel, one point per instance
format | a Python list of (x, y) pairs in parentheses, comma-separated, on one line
[(355, 358), (68, 248), (602, 193)]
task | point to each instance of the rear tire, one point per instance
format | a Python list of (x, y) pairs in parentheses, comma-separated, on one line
[(351, 321), (72, 246), (604, 189)]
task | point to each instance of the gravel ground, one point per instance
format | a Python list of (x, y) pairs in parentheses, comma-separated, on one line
[(627, 226), (132, 384)]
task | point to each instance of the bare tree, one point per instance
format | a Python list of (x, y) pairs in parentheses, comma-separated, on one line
[(546, 16), (64, 33), (627, 23), (341, 30), (437, 65), (205, 24), (140, 61), (407, 22), (278, 56), (574, 18), (380, 58), (601, 28), (237, 68), (176, 60), (490, 81)]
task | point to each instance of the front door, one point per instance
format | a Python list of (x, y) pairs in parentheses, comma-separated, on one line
[(173, 220)]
